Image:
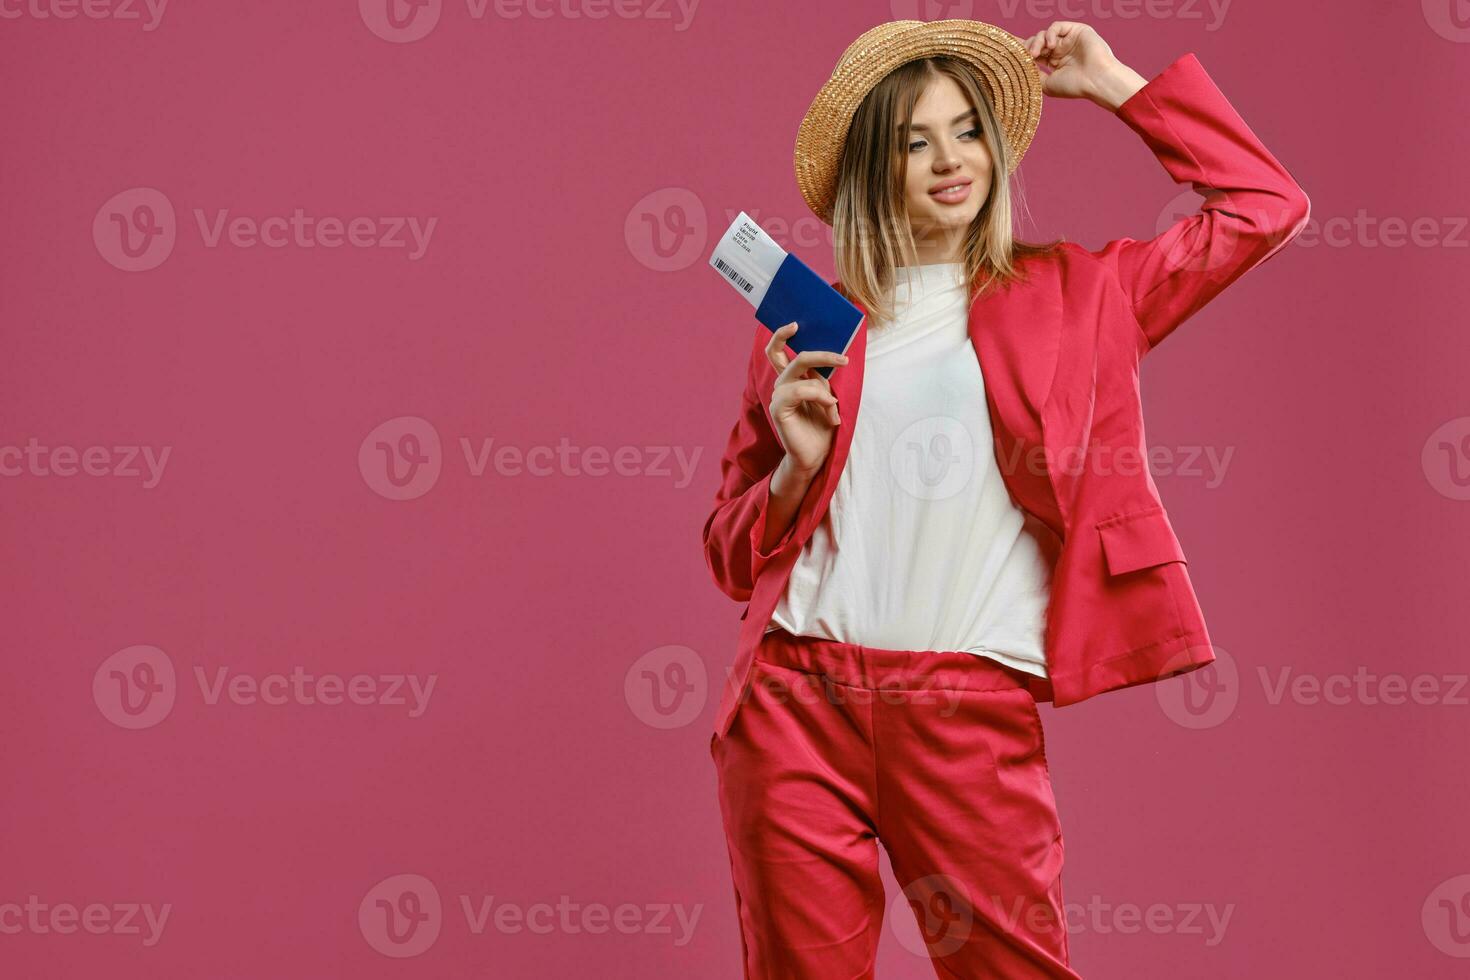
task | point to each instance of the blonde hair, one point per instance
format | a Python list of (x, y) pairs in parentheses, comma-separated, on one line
[(871, 232)]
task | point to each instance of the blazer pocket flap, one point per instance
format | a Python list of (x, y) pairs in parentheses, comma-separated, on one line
[(1138, 540)]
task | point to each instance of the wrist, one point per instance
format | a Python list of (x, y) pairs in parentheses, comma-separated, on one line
[(1113, 85), (791, 479)]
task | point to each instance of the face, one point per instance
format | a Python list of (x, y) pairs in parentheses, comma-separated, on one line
[(946, 154)]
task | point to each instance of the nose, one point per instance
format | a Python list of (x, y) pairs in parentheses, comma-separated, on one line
[(946, 157), (947, 165)]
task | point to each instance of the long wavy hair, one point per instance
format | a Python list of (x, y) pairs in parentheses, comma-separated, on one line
[(871, 233)]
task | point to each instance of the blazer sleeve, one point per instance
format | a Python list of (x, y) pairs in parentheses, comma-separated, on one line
[(1252, 207), (737, 522)]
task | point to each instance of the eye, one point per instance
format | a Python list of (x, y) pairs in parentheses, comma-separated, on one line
[(917, 145)]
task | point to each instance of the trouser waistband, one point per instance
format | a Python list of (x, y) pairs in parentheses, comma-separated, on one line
[(876, 669)]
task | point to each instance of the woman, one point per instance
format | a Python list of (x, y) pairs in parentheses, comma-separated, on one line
[(985, 534)]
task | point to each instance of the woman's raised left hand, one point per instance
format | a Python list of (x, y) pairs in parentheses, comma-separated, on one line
[(1076, 63)]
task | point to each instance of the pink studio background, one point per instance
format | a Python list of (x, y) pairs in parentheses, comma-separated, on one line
[(577, 167)]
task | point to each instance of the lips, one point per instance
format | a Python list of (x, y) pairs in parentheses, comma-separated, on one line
[(950, 191)]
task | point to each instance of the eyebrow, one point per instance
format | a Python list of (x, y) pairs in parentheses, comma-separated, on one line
[(953, 122)]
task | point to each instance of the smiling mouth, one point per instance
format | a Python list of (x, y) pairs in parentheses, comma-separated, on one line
[(952, 195)]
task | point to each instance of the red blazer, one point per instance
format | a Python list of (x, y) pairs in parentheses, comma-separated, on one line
[(1059, 356)]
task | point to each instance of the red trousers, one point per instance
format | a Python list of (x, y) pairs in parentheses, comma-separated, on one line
[(938, 755)]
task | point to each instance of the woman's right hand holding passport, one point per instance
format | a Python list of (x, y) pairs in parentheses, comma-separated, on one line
[(804, 413)]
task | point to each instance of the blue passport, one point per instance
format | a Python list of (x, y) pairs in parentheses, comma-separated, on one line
[(783, 289)]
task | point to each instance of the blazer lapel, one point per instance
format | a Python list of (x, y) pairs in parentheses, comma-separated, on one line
[(1016, 331)]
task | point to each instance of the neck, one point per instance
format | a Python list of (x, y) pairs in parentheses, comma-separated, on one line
[(935, 246)]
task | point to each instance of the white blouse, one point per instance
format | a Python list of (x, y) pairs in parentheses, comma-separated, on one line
[(922, 547)]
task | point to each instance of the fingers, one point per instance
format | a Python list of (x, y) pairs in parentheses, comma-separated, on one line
[(800, 366), (1040, 50), (796, 382), (776, 347), (1044, 44), (815, 390), (812, 390), (789, 368)]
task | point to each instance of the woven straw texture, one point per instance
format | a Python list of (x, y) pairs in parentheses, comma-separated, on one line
[(1009, 76)]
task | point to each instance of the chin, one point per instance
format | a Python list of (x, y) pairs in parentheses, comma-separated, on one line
[(952, 218)]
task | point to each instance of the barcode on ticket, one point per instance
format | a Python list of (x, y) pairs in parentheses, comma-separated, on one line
[(734, 276)]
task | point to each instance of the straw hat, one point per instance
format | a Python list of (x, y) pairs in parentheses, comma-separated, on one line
[(1005, 69)]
